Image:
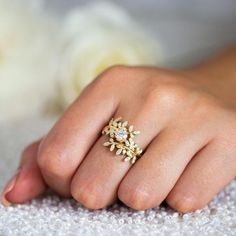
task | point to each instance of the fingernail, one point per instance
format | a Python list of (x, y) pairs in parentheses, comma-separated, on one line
[(8, 188)]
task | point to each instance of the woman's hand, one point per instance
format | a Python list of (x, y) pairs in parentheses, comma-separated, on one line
[(187, 121)]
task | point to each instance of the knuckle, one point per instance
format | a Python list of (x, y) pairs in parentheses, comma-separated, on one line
[(205, 106), (89, 195), (112, 73), (49, 161), (206, 103), (183, 203), (107, 79), (166, 95), (29, 152), (136, 197), (115, 70)]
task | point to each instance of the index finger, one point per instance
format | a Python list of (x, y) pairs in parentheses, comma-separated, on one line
[(72, 136)]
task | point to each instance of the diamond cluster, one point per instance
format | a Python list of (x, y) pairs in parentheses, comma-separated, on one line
[(121, 137)]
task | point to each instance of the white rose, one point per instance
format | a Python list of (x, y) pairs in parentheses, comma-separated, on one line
[(27, 59), (96, 37)]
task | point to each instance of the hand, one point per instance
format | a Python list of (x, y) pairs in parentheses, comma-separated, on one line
[(187, 121)]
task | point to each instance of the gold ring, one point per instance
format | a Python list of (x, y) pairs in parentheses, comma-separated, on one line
[(121, 137)]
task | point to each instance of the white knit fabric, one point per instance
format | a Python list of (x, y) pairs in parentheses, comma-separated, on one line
[(51, 215)]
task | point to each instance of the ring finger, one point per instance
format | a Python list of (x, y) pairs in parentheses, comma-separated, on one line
[(97, 179)]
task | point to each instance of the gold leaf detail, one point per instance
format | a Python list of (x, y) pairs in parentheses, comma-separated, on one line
[(129, 154), (125, 123), (131, 128), (118, 152), (136, 132), (118, 119), (112, 147), (106, 144)]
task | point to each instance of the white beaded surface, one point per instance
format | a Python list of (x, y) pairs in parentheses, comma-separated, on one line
[(51, 215)]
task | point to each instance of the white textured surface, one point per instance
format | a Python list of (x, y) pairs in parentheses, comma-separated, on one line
[(50, 215), (187, 30)]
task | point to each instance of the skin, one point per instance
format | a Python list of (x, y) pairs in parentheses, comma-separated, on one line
[(187, 120)]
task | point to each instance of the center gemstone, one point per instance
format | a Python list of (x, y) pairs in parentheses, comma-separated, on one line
[(121, 134)]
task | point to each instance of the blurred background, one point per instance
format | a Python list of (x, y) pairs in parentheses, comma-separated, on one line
[(188, 29), (50, 50)]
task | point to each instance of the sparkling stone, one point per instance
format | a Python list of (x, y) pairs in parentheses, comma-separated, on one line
[(50, 215), (121, 134)]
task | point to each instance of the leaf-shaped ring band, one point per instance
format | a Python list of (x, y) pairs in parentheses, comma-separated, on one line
[(121, 137)]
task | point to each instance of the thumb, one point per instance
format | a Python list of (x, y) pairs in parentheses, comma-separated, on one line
[(27, 183)]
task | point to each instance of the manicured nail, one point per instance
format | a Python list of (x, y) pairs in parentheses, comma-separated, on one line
[(8, 188)]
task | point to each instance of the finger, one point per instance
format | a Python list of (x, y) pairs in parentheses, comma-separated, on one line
[(73, 135), (27, 182), (147, 184), (209, 171), (97, 179)]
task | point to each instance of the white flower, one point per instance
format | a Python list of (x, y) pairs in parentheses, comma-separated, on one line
[(98, 36), (27, 59), (94, 38)]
